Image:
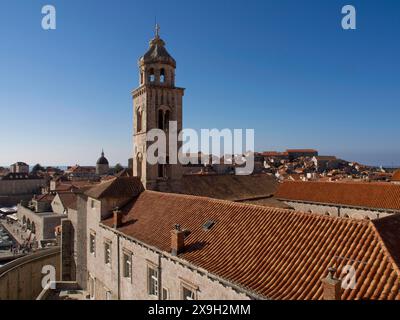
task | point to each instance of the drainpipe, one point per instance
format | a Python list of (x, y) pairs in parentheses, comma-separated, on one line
[(119, 268), (159, 278)]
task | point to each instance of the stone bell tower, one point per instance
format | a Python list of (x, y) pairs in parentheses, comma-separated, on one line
[(156, 102)]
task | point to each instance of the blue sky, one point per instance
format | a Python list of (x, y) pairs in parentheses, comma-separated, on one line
[(285, 68)]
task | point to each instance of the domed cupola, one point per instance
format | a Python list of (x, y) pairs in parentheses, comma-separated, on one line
[(157, 67), (102, 166), (157, 52), (102, 159)]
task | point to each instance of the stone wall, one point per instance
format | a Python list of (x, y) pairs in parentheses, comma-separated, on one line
[(21, 279), (337, 211), (44, 224), (13, 191)]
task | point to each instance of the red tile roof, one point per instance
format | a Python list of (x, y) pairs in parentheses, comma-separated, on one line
[(229, 187), (396, 176), (45, 198), (366, 195), (116, 188), (69, 200), (275, 253), (301, 151)]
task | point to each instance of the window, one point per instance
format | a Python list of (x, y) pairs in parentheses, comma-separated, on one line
[(92, 244), (165, 294), (152, 281), (127, 264), (152, 77), (108, 295), (139, 165), (166, 120), (92, 204), (107, 252), (160, 119), (92, 283), (162, 75), (139, 120), (162, 171), (187, 294)]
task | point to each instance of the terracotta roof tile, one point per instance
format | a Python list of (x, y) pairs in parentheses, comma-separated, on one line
[(45, 197), (69, 200), (367, 195), (276, 253), (116, 188), (229, 187), (396, 176)]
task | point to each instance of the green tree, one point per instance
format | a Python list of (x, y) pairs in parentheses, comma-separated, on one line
[(37, 168), (118, 168)]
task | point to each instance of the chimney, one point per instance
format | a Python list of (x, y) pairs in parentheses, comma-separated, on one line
[(332, 287), (177, 240), (117, 218)]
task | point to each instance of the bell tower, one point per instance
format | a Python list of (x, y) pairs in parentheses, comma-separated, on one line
[(156, 102)]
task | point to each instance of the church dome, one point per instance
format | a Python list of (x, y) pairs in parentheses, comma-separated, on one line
[(102, 159), (157, 53), (396, 176)]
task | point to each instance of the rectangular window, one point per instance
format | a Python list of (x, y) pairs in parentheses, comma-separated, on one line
[(107, 252), (165, 294), (187, 294), (127, 263), (92, 244), (152, 281)]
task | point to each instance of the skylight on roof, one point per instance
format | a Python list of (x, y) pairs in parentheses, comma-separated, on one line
[(208, 225)]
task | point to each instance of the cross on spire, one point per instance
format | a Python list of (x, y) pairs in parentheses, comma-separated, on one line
[(157, 29)]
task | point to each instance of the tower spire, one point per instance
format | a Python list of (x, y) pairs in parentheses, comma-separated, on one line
[(157, 30)]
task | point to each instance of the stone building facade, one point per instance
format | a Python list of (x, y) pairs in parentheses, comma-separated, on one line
[(41, 224), (19, 167), (15, 187)]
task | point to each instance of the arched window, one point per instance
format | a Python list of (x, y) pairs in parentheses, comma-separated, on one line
[(327, 214), (346, 216), (24, 221), (166, 120), (152, 76), (28, 224), (33, 227), (139, 119), (162, 75), (161, 119), (139, 165), (141, 77)]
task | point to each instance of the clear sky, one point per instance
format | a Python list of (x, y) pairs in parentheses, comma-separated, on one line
[(285, 68)]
